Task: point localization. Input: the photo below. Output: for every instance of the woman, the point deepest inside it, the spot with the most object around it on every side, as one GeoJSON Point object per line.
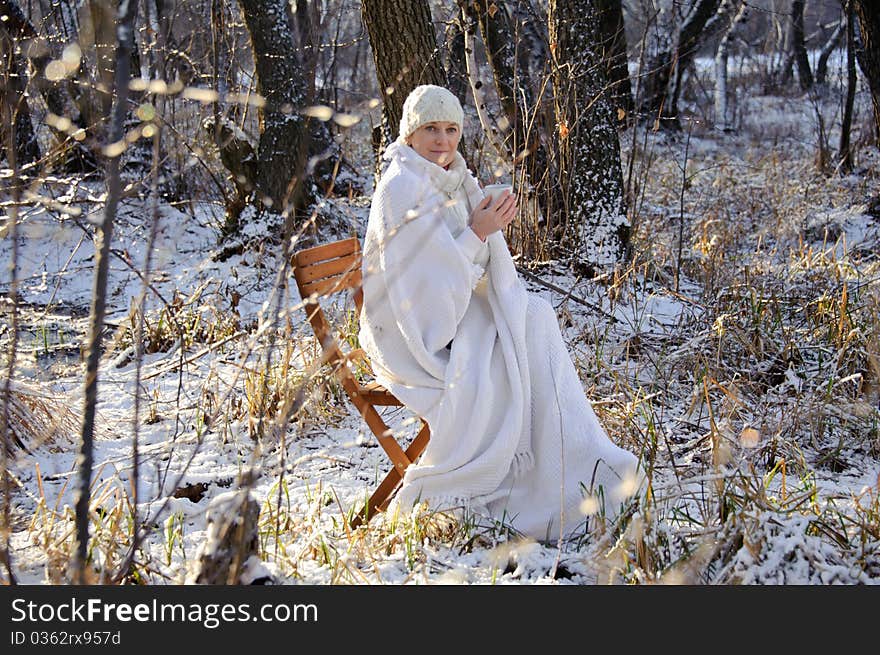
{"type": "Point", "coordinates": [453, 333]}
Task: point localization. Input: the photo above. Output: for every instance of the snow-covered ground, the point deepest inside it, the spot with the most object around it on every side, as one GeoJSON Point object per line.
{"type": "Point", "coordinates": [779, 486]}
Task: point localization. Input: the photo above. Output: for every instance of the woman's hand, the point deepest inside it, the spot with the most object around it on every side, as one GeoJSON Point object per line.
{"type": "Point", "coordinates": [488, 218]}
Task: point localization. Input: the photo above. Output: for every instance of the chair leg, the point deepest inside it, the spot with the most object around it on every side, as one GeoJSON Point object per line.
{"type": "Point", "coordinates": [381, 496]}
{"type": "Point", "coordinates": [386, 489]}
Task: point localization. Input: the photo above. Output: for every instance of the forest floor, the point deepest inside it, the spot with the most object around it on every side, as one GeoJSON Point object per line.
{"type": "Point", "coordinates": [738, 355]}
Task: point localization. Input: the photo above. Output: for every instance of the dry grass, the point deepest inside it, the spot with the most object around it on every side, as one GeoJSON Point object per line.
{"type": "Point", "coordinates": [765, 384]}
{"type": "Point", "coordinates": [38, 419]}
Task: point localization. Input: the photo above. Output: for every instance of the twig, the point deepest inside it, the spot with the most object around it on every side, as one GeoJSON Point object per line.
{"type": "Point", "coordinates": [567, 294]}
{"type": "Point", "coordinates": [198, 355]}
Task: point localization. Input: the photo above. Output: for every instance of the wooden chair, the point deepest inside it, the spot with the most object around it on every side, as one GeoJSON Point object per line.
{"type": "Point", "coordinates": [323, 271]}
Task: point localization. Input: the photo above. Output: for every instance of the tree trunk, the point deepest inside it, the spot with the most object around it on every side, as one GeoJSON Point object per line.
{"type": "Point", "coordinates": [869, 30]}
{"type": "Point", "coordinates": [844, 152]}
{"type": "Point", "coordinates": [498, 36]}
{"type": "Point", "coordinates": [284, 131]}
{"type": "Point", "coordinates": [456, 68]}
{"type": "Point", "coordinates": [523, 142]}
{"type": "Point", "coordinates": [654, 75]}
{"type": "Point", "coordinates": [532, 47]}
{"type": "Point", "coordinates": [103, 16]}
{"type": "Point", "coordinates": [62, 97]}
{"type": "Point", "coordinates": [13, 187]}
{"type": "Point", "coordinates": [722, 110]}
{"type": "Point", "coordinates": [798, 52]}
{"type": "Point", "coordinates": [495, 30]}
{"type": "Point", "coordinates": [85, 460]}
{"type": "Point", "coordinates": [666, 66]}
{"type": "Point", "coordinates": [405, 51]}
{"type": "Point", "coordinates": [20, 27]}
{"type": "Point", "coordinates": [14, 99]}
{"type": "Point", "coordinates": [614, 53]}
{"type": "Point", "coordinates": [323, 152]}
{"type": "Point", "coordinates": [596, 235]}
{"type": "Point", "coordinates": [827, 49]}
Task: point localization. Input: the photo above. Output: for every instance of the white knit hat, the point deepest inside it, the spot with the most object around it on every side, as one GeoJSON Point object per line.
{"type": "Point", "coordinates": [428, 103]}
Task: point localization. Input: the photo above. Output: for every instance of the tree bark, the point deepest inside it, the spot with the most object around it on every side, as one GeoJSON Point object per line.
{"type": "Point", "coordinates": [497, 32]}
{"type": "Point", "coordinates": [456, 67]}
{"type": "Point", "coordinates": [103, 16]}
{"type": "Point", "coordinates": [596, 234]}
{"type": "Point", "coordinates": [844, 152]}
{"type": "Point", "coordinates": [14, 99]}
{"type": "Point", "coordinates": [532, 47]}
{"type": "Point", "coordinates": [734, 16]}
{"type": "Point", "coordinates": [614, 53]}
{"type": "Point", "coordinates": [284, 131]}
{"type": "Point", "coordinates": [20, 28]}
{"type": "Point", "coordinates": [827, 49]}
{"type": "Point", "coordinates": [85, 459]}
{"type": "Point", "coordinates": [667, 64]}
{"type": "Point", "coordinates": [405, 51]}
{"type": "Point", "coordinates": [523, 142]}
{"type": "Point", "coordinates": [322, 150]}
{"type": "Point", "coordinates": [798, 49]}
{"type": "Point", "coordinates": [869, 29]}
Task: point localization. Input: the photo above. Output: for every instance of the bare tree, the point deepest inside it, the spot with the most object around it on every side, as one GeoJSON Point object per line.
{"type": "Point", "coordinates": [829, 47]}
{"type": "Point", "coordinates": [405, 51]}
{"type": "Point", "coordinates": [596, 234]}
{"type": "Point", "coordinates": [499, 36]}
{"type": "Point", "coordinates": [17, 25]}
{"type": "Point", "coordinates": [614, 53]}
{"type": "Point", "coordinates": [844, 152]}
{"type": "Point", "coordinates": [281, 83]}
{"type": "Point", "coordinates": [79, 97]}
{"type": "Point", "coordinates": [14, 98]}
{"type": "Point", "coordinates": [9, 146]}
{"type": "Point", "coordinates": [85, 460]}
{"type": "Point", "coordinates": [798, 48]}
{"type": "Point", "coordinates": [674, 45]}
{"type": "Point", "coordinates": [532, 46]}
{"type": "Point", "coordinates": [456, 68]}
{"type": "Point", "coordinates": [103, 20]}
{"type": "Point", "coordinates": [869, 60]}
{"type": "Point", "coordinates": [514, 38]}
{"type": "Point", "coordinates": [735, 12]}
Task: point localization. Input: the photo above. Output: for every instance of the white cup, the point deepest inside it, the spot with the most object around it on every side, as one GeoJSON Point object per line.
{"type": "Point", "coordinates": [495, 190]}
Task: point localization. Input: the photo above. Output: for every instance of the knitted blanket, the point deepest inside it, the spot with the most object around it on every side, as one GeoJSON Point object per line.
{"type": "Point", "coordinates": [452, 332]}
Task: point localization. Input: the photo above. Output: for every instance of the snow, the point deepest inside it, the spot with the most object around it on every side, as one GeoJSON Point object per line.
{"type": "Point", "coordinates": [648, 359]}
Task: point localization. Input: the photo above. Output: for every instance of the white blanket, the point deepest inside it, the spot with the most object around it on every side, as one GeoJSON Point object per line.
{"type": "Point", "coordinates": [451, 331]}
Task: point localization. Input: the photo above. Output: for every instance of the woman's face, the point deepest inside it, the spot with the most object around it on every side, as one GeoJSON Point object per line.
{"type": "Point", "coordinates": [436, 141]}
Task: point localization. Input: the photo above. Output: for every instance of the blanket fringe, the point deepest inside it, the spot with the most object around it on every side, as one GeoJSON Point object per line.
{"type": "Point", "coordinates": [444, 503]}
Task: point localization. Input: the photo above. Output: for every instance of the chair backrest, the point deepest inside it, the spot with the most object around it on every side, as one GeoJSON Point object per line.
{"type": "Point", "coordinates": [323, 271]}
{"type": "Point", "coordinates": [328, 269]}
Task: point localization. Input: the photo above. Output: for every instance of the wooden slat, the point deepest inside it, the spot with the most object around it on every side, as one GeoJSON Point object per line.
{"type": "Point", "coordinates": [376, 394]}
{"type": "Point", "coordinates": [327, 268]}
{"type": "Point", "coordinates": [331, 284]}
{"type": "Point", "coordinates": [341, 248]}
